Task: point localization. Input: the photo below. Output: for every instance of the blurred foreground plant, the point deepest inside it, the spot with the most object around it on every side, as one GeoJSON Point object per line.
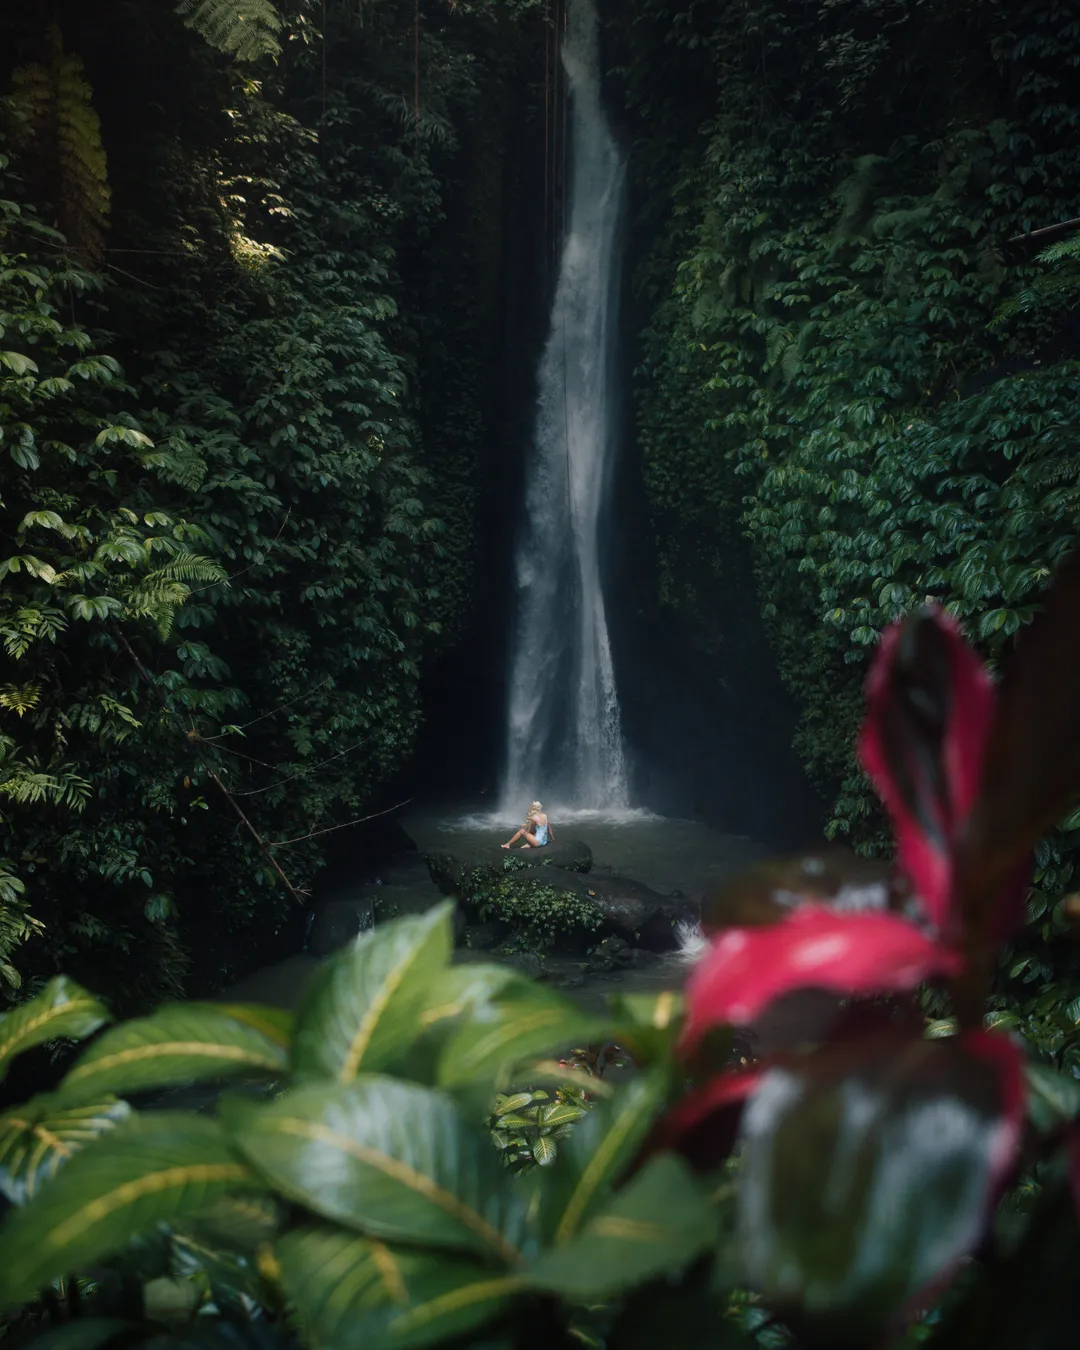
{"type": "Point", "coordinates": [345, 1189]}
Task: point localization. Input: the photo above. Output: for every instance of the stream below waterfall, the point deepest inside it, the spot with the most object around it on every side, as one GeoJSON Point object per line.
{"type": "Point", "coordinates": [667, 855]}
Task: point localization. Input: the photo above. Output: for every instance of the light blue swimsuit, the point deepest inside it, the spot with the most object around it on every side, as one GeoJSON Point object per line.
{"type": "Point", "coordinates": [541, 834]}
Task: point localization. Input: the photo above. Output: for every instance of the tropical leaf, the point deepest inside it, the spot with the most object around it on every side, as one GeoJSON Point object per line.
{"type": "Point", "coordinates": [599, 1150]}
{"type": "Point", "coordinates": [36, 1139]}
{"type": "Point", "coordinates": [149, 1170]}
{"type": "Point", "coordinates": [519, 1024]}
{"type": "Point", "coordinates": [181, 1043]}
{"type": "Point", "coordinates": [653, 1227]}
{"type": "Point", "coordinates": [461, 989]}
{"type": "Point", "coordinates": [62, 1009]}
{"type": "Point", "coordinates": [356, 1293]}
{"type": "Point", "coordinates": [748, 968]}
{"type": "Point", "coordinates": [868, 1172]}
{"type": "Point", "coordinates": [364, 1007]}
{"type": "Point", "coordinates": [392, 1159]}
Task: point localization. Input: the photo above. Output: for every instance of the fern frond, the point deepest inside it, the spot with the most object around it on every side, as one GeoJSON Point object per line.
{"type": "Point", "coordinates": [245, 29]}
{"type": "Point", "coordinates": [58, 135]}
{"type": "Point", "coordinates": [1062, 250]}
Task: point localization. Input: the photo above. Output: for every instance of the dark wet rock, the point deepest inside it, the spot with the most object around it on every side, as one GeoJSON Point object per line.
{"type": "Point", "coordinates": [614, 953]}
{"type": "Point", "coordinates": [481, 937]}
{"type": "Point", "coordinates": [339, 922]}
{"type": "Point", "coordinates": [561, 909]}
{"type": "Point", "coordinates": [452, 872]}
{"type": "Point", "coordinates": [527, 962]}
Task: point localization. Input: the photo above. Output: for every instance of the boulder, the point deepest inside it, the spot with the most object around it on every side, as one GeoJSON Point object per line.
{"type": "Point", "coordinates": [452, 872]}
{"type": "Point", "coordinates": [528, 963]}
{"type": "Point", "coordinates": [339, 922]}
{"type": "Point", "coordinates": [490, 885]}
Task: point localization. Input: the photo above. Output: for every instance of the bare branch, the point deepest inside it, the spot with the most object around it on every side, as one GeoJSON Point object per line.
{"type": "Point", "coordinates": [282, 843]}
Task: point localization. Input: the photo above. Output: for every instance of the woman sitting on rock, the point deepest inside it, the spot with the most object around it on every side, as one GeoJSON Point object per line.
{"type": "Point", "coordinates": [535, 831]}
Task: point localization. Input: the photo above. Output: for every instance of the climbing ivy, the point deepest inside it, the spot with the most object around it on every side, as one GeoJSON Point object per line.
{"type": "Point", "coordinates": [223, 384]}
{"type": "Point", "coordinates": [859, 379]}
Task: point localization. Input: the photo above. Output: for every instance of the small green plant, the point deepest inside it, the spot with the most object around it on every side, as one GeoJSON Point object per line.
{"type": "Point", "coordinates": [543, 915]}
{"type": "Point", "coordinates": [526, 1126]}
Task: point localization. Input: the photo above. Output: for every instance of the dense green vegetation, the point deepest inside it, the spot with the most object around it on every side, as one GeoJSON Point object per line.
{"type": "Point", "coordinates": [244, 306]}
{"type": "Point", "coordinates": [853, 363]}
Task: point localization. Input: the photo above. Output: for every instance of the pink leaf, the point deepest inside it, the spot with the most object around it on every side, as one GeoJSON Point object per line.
{"type": "Point", "coordinates": [930, 704]}
{"type": "Point", "coordinates": [747, 968]}
{"type": "Point", "coordinates": [702, 1128]}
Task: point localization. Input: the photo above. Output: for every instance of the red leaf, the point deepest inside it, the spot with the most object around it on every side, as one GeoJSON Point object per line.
{"type": "Point", "coordinates": [703, 1127]}
{"type": "Point", "coordinates": [930, 706]}
{"type": "Point", "coordinates": [1031, 771]}
{"type": "Point", "coordinates": [747, 968]}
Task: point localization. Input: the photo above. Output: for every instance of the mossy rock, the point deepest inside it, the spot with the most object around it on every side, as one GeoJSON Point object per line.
{"type": "Point", "coordinates": [450, 872]}
{"type": "Point", "coordinates": [559, 909]}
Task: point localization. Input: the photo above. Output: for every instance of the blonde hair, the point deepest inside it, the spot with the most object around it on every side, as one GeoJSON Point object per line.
{"type": "Point", "coordinates": [535, 806]}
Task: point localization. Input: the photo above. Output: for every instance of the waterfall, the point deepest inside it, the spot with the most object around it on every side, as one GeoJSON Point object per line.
{"type": "Point", "coordinates": [564, 736]}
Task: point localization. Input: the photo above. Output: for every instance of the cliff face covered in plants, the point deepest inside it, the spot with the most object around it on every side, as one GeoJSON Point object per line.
{"type": "Point", "coordinates": [858, 375]}
{"type": "Point", "coordinates": [249, 294]}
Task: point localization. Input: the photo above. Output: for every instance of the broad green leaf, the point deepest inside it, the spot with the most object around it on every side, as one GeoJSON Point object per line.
{"type": "Point", "coordinates": [598, 1150]}
{"type": "Point", "coordinates": [150, 1170]}
{"type": "Point", "coordinates": [520, 1024]}
{"type": "Point", "coordinates": [276, 1024]}
{"type": "Point", "coordinates": [460, 989]}
{"type": "Point", "coordinates": [62, 1008]}
{"type": "Point", "coordinates": [653, 1227]}
{"type": "Point", "coordinates": [364, 1006]}
{"type": "Point", "coordinates": [17, 362]}
{"type": "Point", "coordinates": [660, 1011]}
{"type": "Point", "coordinates": [36, 1139]}
{"type": "Point", "coordinates": [392, 1159]}
{"type": "Point", "coordinates": [1053, 1098]}
{"type": "Point", "coordinates": [238, 1222]}
{"type": "Point", "coordinates": [544, 1150]}
{"type": "Point", "coordinates": [181, 1043]}
{"type": "Point", "coordinates": [561, 1113]}
{"type": "Point", "coordinates": [356, 1293]}
{"type": "Point", "coordinates": [867, 1172]}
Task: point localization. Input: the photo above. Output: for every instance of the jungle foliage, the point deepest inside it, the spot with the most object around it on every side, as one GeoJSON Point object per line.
{"type": "Point", "coordinates": [224, 243]}
{"type": "Point", "coordinates": [858, 384]}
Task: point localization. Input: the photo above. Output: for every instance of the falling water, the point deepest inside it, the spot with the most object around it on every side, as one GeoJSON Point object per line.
{"type": "Point", "coordinates": [565, 739]}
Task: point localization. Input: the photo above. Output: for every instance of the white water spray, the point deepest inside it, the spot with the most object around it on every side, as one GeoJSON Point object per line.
{"type": "Point", "coordinates": [565, 739]}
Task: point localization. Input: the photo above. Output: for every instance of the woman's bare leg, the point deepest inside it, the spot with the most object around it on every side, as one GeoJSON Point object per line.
{"type": "Point", "coordinates": [515, 839]}
{"type": "Point", "coordinates": [531, 840]}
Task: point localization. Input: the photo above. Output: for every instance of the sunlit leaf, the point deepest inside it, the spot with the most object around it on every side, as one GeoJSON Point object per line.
{"type": "Point", "coordinates": [62, 1009]}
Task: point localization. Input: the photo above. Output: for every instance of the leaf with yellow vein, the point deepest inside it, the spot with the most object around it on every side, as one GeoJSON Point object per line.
{"type": "Point", "coordinates": [653, 1227]}
{"type": "Point", "coordinates": [364, 1006]}
{"type": "Point", "coordinates": [391, 1159]}
{"type": "Point", "coordinates": [523, 1022]}
{"type": "Point", "coordinates": [39, 1137]}
{"type": "Point", "coordinates": [351, 1292]}
{"type": "Point", "coordinates": [180, 1043]}
{"type": "Point", "coordinates": [149, 1170]}
{"type": "Point", "coordinates": [62, 1008]}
